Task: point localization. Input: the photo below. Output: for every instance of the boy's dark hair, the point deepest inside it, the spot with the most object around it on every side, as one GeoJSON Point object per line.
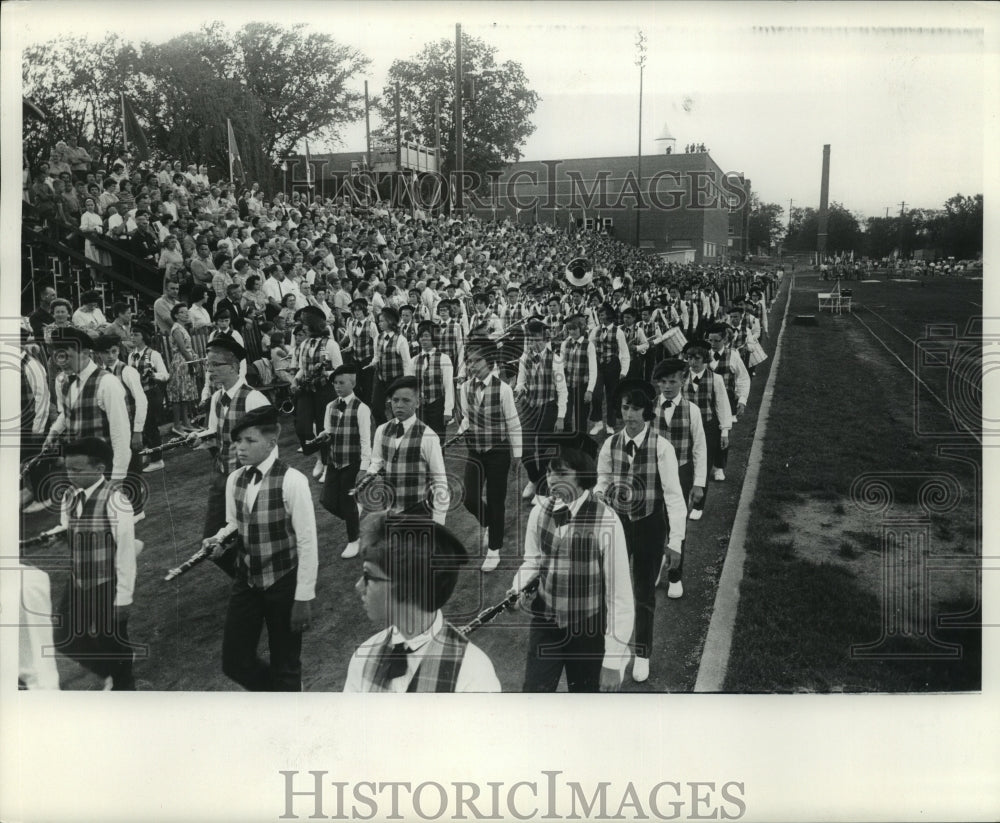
{"type": "Point", "coordinates": [99, 451]}
{"type": "Point", "coordinates": [536, 328]}
{"type": "Point", "coordinates": [576, 461]}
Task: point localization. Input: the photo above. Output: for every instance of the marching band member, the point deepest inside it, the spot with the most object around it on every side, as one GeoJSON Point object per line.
{"type": "Point", "coordinates": [612, 365]}
{"type": "Point", "coordinates": [153, 376]}
{"type": "Point", "coordinates": [635, 339]}
{"type": "Point", "coordinates": [707, 390]}
{"type": "Point", "coordinates": [555, 320]}
{"type": "Point", "coordinates": [230, 402]}
{"type": "Point", "coordinates": [223, 319]}
{"type": "Point", "coordinates": [409, 453]}
{"type": "Point", "coordinates": [637, 477]}
{"type": "Point", "coordinates": [317, 357]}
{"type": "Point", "coordinates": [729, 364]}
{"type": "Point", "coordinates": [363, 333]}
{"type": "Point", "coordinates": [493, 428]}
{"type": "Point", "coordinates": [35, 405]}
{"type": "Point", "coordinates": [410, 570]}
{"type": "Point", "coordinates": [435, 375]}
{"type": "Point", "coordinates": [579, 357]}
{"type": "Point", "coordinates": [348, 430]}
{"type": "Point", "coordinates": [452, 337]}
{"type": "Point", "coordinates": [92, 618]}
{"type": "Point", "coordinates": [484, 322]}
{"type": "Point", "coordinates": [91, 402]}
{"type": "Point", "coordinates": [541, 384]}
{"type": "Point", "coordinates": [270, 505]}
{"type": "Point", "coordinates": [391, 359]}
{"type": "Point", "coordinates": [583, 612]}
{"type": "Point", "coordinates": [408, 327]}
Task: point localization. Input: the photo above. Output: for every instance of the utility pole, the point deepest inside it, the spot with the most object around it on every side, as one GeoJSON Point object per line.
{"type": "Point", "coordinates": [368, 131]}
{"type": "Point", "coordinates": [789, 230]}
{"type": "Point", "coordinates": [902, 208]}
{"type": "Point", "coordinates": [640, 61]}
{"type": "Point", "coordinates": [459, 149]}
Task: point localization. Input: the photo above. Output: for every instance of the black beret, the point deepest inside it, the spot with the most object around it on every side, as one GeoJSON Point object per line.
{"type": "Point", "coordinates": [408, 381]}
{"type": "Point", "coordinates": [667, 367]}
{"type": "Point", "coordinates": [700, 346]}
{"type": "Point", "coordinates": [391, 313]}
{"type": "Point", "coordinates": [625, 386]}
{"type": "Point", "coordinates": [224, 343]}
{"type": "Point", "coordinates": [346, 368]}
{"type": "Point", "coordinates": [311, 311]}
{"type": "Point", "coordinates": [105, 342]}
{"type": "Point", "coordinates": [360, 303]}
{"type": "Point", "coordinates": [261, 416]}
{"type": "Point", "coordinates": [70, 338]}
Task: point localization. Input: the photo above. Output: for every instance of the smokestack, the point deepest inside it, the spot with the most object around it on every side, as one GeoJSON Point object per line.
{"type": "Point", "coordinates": [824, 202]}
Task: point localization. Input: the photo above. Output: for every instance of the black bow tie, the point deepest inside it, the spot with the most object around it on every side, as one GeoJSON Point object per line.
{"type": "Point", "coordinates": [73, 378]}
{"type": "Point", "coordinates": [561, 516]}
{"type": "Point", "coordinates": [253, 475]}
{"type": "Point", "coordinates": [225, 400]}
{"type": "Point", "coordinates": [716, 355]}
{"type": "Point", "coordinates": [341, 405]}
{"type": "Point", "coordinates": [394, 661]}
{"type": "Point", "coordinates": [630, 448]}
{"type": "Point", "coordinates": [667, 404]}
{"type": "Point", "coordinates": [398, 431]}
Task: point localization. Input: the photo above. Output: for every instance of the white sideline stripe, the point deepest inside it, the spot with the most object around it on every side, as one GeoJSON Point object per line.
{"type": "Point", "coordinates": [719, 640]}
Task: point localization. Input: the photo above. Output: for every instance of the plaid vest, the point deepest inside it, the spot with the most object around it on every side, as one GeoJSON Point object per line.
{"type": "Point", "coordinates": [117, 370]}
{"type": "Point", "coordinates": [631, 335]}
{"type": "Point", "coordinates": [702, 395]}
{"type": "Point", "coordinates": [92, 541]}
{"type": "Point", "coordinates": [430, 376]}
{"type": "Point", "coordinates": [405, 469]}
{"type": "Point", "coordinates": [86, 419]}
{"type": "Point", "coordinates": [487, 424]}
{"type": "Point", "coordinates": [634, 489]}
{"type": "Point", "coordinates": [724, 367]}
{"type": "Point", "coordinates": [438, 669]}
{"type": "Point", "coordinates": [390, 362]}
{"type": "Point", "coordinates": [312, 355]}
{"type": "Point", "coordinates": [577, 364]}
{"type": "Point", "coordinates": [539, 378]}
{"type": "Point", "coordinates": [557, 329]}
{"type": "Point", "coordinates": [678, 430]}
{"type": "Point", "coordinates": [268, 539]}
{"type": "Point", "coordinates": [409, 332]}
{"type": "Point", "coordinates": [345, 445]}
{"type": "Point", "coordinates": [451, 338]}
{"type": "Point", "coordinates": [27, 398]}
{"type": "Point", "coordinates": [571, 580]}
{"type": "Point", "coordinates": [225, 461]}
{"type": "Point", "coordinates": [362, 340]}
{"type": "Point", "coordinates": [607, 344]}
{"type": "Point", "coordinates": [143, 363]}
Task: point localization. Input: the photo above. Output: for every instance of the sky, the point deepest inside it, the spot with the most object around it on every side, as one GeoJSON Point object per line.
{"type": "Point", "coordinates": [899, 91]}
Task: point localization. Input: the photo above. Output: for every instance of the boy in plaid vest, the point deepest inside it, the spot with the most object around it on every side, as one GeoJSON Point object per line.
{"type": "Point", "coordinates": [725, 361]}
{"type": "Point", "coordinates": [408, 327]}
{"type": "Point", "coordinates": [579, 357]}
{"type": "Point", "coordinates": [317, 356]}
{"type": "Point", "coordinates": [583, 612]}
{"type": "Point", "coordinates": [555, 320]}
{"type": "Point", "coordinates": [92, 624]}
{"type": "Point", "coordinates": [270, 505]}
{"type": "Point", "coordinates": [613, 363]}
{"type": "Point", "coordinates": [707, 390]}
{"type": "Point", "coordinates": [638, 344]}
{"type": "Point", "coordinates": [391, 360]}
{"type": "Point", "coordinates": [362, 332]}
{"type": "Point", "coordinates": [679, 420]}
{"type": "Point", "coordinates": [348, 431]}
{"type": "Point", "coordinates": [410, 569]}
{"type": "Point", "coordinates": [435, 375]}
{"type": "Point", "coordinates": [91, 402]}
{"type": "Point", "coordinates": [637, 476]}
{"type": "Point", "coordinates": [541, 389]}
{"type": "Point", "coordinates": [493, 428]}
{"type": "Point", "coordinates": [409, 453]}
{"type": "Point", "coordinates": [153, 376]}
{"type": "Point", "coordinates": [230, 402]}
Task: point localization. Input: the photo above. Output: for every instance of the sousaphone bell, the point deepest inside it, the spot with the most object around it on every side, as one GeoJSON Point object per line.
{"type": "Point", "coordinates": [579, 273]}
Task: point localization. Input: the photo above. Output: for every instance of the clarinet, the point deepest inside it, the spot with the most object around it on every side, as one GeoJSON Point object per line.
{"type": "Point", "coordinates": [488, 614]}
{"type": "Point", "coordinates": [42, 539]}
{"type": "Point", "coordinates": [49, 452]}
{"type": "Point", "coordinates": [201, 556]}
{"type": "Point", "coordinates": [365, 481]}
{"type": "Point", "coordinates": [451, 441]}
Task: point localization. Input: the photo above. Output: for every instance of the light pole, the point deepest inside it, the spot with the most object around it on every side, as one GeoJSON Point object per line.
{"type": "Point", "coordinates": [284, 178]}
{"type": "Point", "coordinates": [640, 61]}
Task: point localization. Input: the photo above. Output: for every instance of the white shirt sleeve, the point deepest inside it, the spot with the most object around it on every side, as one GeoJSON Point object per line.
{"type": "Point", "coordinates": [403, 349]}
{"type": "Point", "coordinates": [562, 395]}
{"type": "Point", "coordinates": [299, 504]}
{"type": "Point", "coordinates": [365, 427]}
{"type": "Point", "coordinates": [111, 400]}
{"type": "Point", "coordinates": [522, 369]}
{"type": "Point", "coordinates": [618, 599]}
{"type": "Point", "coordinates": [591, 366]}
{"type": "Point", "coordinates": [376, 465]}
{"type": "Point", "coordinates": [512, 419]}
{"type": "Point", "coordinates": [673, 497]}
{"type": "Point", "coordinates": [130, 377]}
{"type": "Point", "coordinates": [699, 446]}
{"type": "Point", "coordinates": [160, 372]}
{"type": "Point", "coordinates": [623, 356]}
{"type": "Point", "coordinates": [230, 525]}
{"type": "Point", "coordinates": [722, 410]}
{"type": "Point", "coordinates": [448, 375]}
{"type": "Point", "coordinates": [123, 523]}
{"type": "Point", "coordinates": [333, 355]}
{"type": "Point", "coordinates": [532, 562]}
{"type": "Point", "coordinates": [742, 379]}
{"type": "Point", "coordinates": [36, 667]}
{"type": "Point", "coordinates": [430, 450]}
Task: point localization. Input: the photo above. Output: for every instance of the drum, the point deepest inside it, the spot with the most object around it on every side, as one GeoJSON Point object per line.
{"type": "Point", "coordinates": [756, 353]}
{"type": "Point", "coordinates": [674, 341]}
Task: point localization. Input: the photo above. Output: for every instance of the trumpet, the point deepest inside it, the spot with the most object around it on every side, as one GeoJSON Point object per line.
{"type": "Point", "coordinates": [488, 614]}
{"type": "Point", "coordinates": [42, 539]}
{"type": "Point", "coordinates": [201, 556]}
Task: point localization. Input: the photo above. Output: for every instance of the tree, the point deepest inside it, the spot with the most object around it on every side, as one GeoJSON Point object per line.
{"type": "Point", "coordinates": [843, 231]}
{"type": "Point", "coordinates": [958, 231]}
{"type": "Point", "coordinates": [766, 226]}
{"type": "Point", "coordinates": [498, 104]}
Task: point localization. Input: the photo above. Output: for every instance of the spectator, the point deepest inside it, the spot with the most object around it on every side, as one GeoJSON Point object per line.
{"type": "Point", "coordinates": [254, 301]}
{"type": "Point", "coordinates": [121, 326]}
{"type": "Point", "coordinates": [182, 390]}
{"type": "Point", "coordinates": [42, 316]}
{"type": "Point", "coordinates": [89, 316]}
{"type": "Point", "coordinates": [78, 157]}
{"type": "Point", "coordinates": [199, 316]}
{"type": "Point", "coordinates": [164, 305]}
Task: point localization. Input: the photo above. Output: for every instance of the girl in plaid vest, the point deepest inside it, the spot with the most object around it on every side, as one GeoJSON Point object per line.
{"type": "Point", "coordinates": [493, 436]}
{"type": "Point", "coordinates": [317, 357]}
{"type": "Point", "coordinates": [408, 452]}
{"type": "Point", "coordinates": [153, 376]}
{"type": "Point", "coordinates": [707, 391]}
{"type": "Point", "coordinates": [579, 356]}
{"type": "Point", "coordinates": [410, 570]}
{"type": "Point", "coordinates": [638, 344]}
{"type": "Point", "coordinates": [230, 402]}
{"type": "Point", "coordinates": [637, 476]}
{"type": "Point", "coordinates": [451, 335]}
{"type": "Point", "coordinates": [583, 612]}
{"type": "Point", "coordinates": [270, 505]}
{"type": "Point", "coordinates": [408, 327]}
{"type": "Point", "coordinates": [93, 616]}
{"type": "Point", "coordinates": [348, 431]}
{"type": "Point", "coordinates": [613, 362]}
{"type": "Point", "coordinates": [363, 333]}
{"type": "Point", "coordinates": [435, 375]}
{"type": "Point", "coordinates": [725, 361]}
{"type": "Point", "coordinates": [541, 389]}
{"type": "Point", "coordinates": [391, 360]}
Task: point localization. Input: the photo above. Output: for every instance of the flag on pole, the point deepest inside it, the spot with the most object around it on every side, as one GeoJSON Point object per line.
{"type": "Point", "coordinates": [235, 163]}
{"type": "Point", "coordinates": [132, 133]}
{"type": "Point", "coordinates": [309, 175]}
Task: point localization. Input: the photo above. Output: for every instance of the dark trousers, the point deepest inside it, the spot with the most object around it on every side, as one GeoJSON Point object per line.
{"type": "Point", "coordinates": [636, 367]}
{"type": "Point", "coordinates": [336, 500]}
{"type": "Point", "coordinates": [310, 410]}
{"type": "Point", "coordinates": [577, 410]}
{"type": "Point", "coordinates": [87, 631]}
{"type": "Point", "coordinates": [717, 456]}
{"type": "Point", "coordinates": [135, 488]}
{"type": "Point", "coordinates": [551, 649]}
{"type": "Point", "coordinates": [686, 475]}
{"type": "Point", "coordinates": [363, 388]}
{"type": "Point", "coordinates": [433, 415]}
{"type": "Point", "coordinates": [249, 610]}
{"type": "Point", "coordinates": [215, 519]}
{"type": "Point", "coordinates": [538, 426]}
{"type": "Point", "coordinates": [154, 408]}
{"type": "Point", "coordinates": [608, 375]}
{"type": "Point", "coordinates": [644, 539]}
{"type": "Point", "coordinates": [488, 469]}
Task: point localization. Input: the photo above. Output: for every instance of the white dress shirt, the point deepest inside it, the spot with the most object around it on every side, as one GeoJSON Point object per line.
{"type": "Point", "coordinates": [254, 401]}
{"type": "Point", "coordinates": [34, 373]}
{"type": "Point", "coordinates": [666, 468]}
{"type": "Point", "coordinates": [133, 384]}
{"type": "Point", "coordinates": [364, 425]}
{"type": "Point", "coordinates": [591, 360]}
{"type": "Point", "coordinates": [699, 446]}
{"type": "Point", "coordinates": [618, 598]}
{"type": "Point", "coordinates": [510, 414]}
{"type": "Point", "coordinates": [624, 358]}
{"type": "Point", "coordinates": [110, 400]}
{"type": "Point", "coordinates": [430, 453]}
{"type": "Point", "coordinates": [558, 377]}
{"type": "Point", "coordinates": [122, 522]}
{"type": "Point", "coordinates": [36, 667]}
{"type": "Point", "coordinates": [402, 348]}
{"type": "Point", "coordinates": [722, 411]}
{"type": "Point", "coordinates": [476, 674]}
{"type": "Point", "coordinates": [742, 376]}
{"type": "Point", "coordinates": [160, 373]}
{"type": "Point", "coordinates": [299, 504]}
{"type": "Point", "coordinates": [447, 375]}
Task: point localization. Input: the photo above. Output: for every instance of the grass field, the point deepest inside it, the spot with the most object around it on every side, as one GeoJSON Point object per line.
{"type": "Point", "coordinates": [834, 597]}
